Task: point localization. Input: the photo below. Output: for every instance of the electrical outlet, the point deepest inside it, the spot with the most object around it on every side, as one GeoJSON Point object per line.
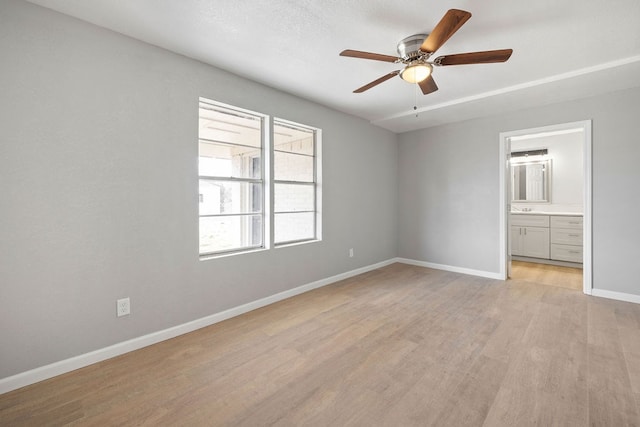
{"type": "Point", "coordinates": [123, 307]}
{"type": "Point", "coordinates": [351, 253]}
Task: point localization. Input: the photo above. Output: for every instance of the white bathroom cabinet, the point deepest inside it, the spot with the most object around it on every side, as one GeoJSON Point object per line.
{"type": "Point", "coordinates": [530, 236]}
{"type": "Point", "coordinates": [549, 237]}
{"type": "Point", "coordinates": [566, 238]}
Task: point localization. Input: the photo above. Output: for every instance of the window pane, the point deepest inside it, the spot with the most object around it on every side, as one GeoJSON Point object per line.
{"type": "Point", "coordinates": [292, 139]}
{"type": "Point", "coordinates": [230, 154]}
{"type": "Point", "coordinates": [229, 197]}
{"type": "Point", "coordinates": [224, 160]}
{"type": "Point", "coordinates": [225, 125]}
{"type": "Point", "coordinates": [294, 226]}
{"type": "Point", "coordinates": [292, 167]}
{"type": "Point", "coordinates": [294, 197]}
{"type": "Point", "coordinates": [294, 201]}
{"type": "Point", "coordinates": [228, 233]}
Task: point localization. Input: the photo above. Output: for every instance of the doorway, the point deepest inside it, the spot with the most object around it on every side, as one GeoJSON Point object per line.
{"type": "Point", "coordinates": [546, 274]}
{"type": "Point", "coordinates": [506, 194]}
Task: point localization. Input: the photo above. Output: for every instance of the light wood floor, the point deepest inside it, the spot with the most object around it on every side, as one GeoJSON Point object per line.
{"type": "Point", "coordinates": [398, 346]}
{"type": "Point", "coordinates": [565, 277]}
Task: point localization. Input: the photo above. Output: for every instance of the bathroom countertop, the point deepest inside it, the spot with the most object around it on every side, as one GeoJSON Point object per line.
{"type": "Point", "coordinates": [547, 213]}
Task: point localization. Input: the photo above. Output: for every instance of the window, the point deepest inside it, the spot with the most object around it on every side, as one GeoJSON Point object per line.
{"type": "Point", "coordinates": [231, 183]}
{"type": "Point", "coordinates": [295, 175]}
{"type": "Point", "coordinates": [255, 190]}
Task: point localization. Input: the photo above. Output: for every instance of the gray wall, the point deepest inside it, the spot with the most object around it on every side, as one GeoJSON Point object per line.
{"type": "Point", "coordinates": [448, 204]}
{"type": "Point", "coordinates": [98, 185]}
{"type": "Point", "coordinates": [449, 188]}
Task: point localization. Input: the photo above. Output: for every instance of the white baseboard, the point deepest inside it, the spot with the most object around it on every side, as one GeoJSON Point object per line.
{"type": "Point", "coordinates": [620, 296]}
{"type": "Point", "coordinates": [54, 369]}
{"type": "Point", "coordinates": [462, 270]}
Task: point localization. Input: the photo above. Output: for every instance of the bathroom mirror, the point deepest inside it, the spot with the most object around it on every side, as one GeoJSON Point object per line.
{"type": "Point", "coordinates": [530, 181]}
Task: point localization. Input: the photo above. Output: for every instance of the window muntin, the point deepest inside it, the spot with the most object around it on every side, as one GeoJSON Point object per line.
{"type": "Point", "coordinates": [230, 169]}
{"type": "Point", "coordinates": [295, 182]}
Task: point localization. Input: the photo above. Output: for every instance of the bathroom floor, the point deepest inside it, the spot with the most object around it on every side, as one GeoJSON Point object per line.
{"type": "Point", "coordinates": [564, 277]}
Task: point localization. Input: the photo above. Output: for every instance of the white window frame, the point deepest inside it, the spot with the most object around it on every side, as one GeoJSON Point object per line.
{"type": "Point", "coordinates": [267, 182]}
{"type": "Point", "coordinates": [262, 180]}
{"type": "Point", "coordinates": [316, 183]}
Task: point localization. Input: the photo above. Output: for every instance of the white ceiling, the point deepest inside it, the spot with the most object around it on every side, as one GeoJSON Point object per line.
{"type": "Point", "coordinates": [563, 49]}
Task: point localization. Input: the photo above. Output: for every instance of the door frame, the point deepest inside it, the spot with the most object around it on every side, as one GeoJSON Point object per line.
{"type": "Point", "coordinates": [505, 190]}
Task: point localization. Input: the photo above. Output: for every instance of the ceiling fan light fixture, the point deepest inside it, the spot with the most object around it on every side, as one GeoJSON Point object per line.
{"type": "Point", "coordinates": [416, 72]}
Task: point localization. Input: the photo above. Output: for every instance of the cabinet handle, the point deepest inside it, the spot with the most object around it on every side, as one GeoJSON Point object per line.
{"type": "Point", "coordinates": [574, 252]}
{"type": "Point", "coordinates": [573, 222]}
{"type": "Point", "coordinates": [573, 235]}
{"type": "Point", "coordinates": [525, 231]}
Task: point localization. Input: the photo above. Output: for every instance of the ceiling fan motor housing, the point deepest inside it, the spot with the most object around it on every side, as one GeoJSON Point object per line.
{"type": "Point", "coordinates": [409, 47]}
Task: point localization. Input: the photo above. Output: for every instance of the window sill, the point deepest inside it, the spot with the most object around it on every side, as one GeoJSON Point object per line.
{"type": "Point", "coordinates": [304, 242]}
{"type": "Point", "coordinates": [229, 254]}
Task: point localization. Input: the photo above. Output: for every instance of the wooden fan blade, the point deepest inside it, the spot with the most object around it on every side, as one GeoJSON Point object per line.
{"type": "Point", "coordinates": [448, 25]}
{"type": "Point", "coordinates": [368, 55]}
{"type": "Point", "coordinates": [376, 82]}
{"type": "Point", "coordinates": [485, 57]}
{"type": "Point", "coordinates": [428, 85]}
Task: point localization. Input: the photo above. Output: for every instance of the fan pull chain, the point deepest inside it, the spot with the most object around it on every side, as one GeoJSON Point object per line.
{"type": "Point", "coordinates": [415, 102]}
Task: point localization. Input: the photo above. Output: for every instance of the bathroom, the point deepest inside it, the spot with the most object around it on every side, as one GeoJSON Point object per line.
{"type": "Point", "coordinates": [547, 207]}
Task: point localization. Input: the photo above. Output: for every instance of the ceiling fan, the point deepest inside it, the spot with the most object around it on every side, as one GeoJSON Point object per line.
{"type": "Point", "coordinates": [414, 52]}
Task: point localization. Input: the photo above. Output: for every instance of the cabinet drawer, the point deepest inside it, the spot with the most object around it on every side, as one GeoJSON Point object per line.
{"type": "Point", "coordinates": [566, 253]}
{"type": "Point", "coordinates": [566, 221]}
{"type": "Point", "coordinates": [530, 220]}
{"type": "Point", "coordinates": [566, 236]}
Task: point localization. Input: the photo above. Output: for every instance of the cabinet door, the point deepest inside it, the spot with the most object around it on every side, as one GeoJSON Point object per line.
{"type": "Point", "coordinates": [517, 233]}
{"type": "Point", "coordinates": [536, 242]}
